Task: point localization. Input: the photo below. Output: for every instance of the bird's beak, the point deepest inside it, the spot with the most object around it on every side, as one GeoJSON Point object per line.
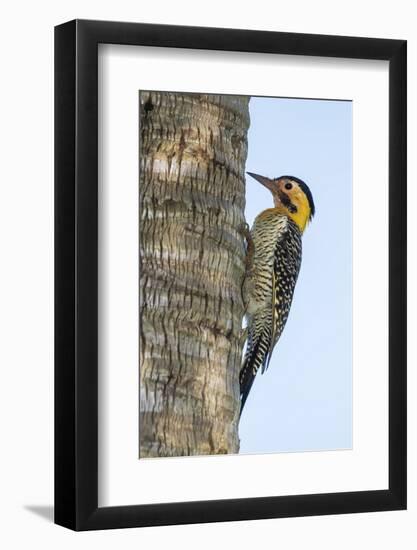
{"type": "Point", "coordinates": [266, 182]}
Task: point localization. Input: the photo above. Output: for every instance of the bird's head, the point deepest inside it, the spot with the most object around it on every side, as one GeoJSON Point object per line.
{"type": "Point", "coordinates": [291, 196]}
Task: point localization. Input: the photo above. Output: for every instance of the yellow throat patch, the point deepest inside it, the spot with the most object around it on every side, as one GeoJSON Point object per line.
{"type": "Point", "coordinates": [302, 216]}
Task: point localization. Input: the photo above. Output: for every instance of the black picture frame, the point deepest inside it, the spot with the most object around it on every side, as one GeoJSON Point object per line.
{"type": "Point", "coordinates": [76, 271]}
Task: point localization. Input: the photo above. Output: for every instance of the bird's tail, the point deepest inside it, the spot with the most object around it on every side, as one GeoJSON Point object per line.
{"type": "Point", "coordinates": [257, 352]}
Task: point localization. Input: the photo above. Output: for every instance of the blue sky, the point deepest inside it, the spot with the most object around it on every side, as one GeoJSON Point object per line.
{"type": "Point", "coordinates": [303, 402]}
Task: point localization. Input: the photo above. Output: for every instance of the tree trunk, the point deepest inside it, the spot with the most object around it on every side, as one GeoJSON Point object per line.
{"type": "Point", "coordinates": [192, 263]}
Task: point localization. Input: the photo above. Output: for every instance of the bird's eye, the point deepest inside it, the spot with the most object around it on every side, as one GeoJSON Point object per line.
{"type": "Point", "coordinates": [288, 186]}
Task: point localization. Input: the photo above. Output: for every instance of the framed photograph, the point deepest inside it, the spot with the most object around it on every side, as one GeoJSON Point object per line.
{"type": "Point", "coordinates": [230, 247]}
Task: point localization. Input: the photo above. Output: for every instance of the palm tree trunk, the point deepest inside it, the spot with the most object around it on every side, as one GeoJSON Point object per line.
{"type": "Point", "coordinates": [193, 150]}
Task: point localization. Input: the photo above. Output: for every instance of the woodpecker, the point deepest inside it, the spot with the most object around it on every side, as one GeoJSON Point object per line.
{"type": "Point", "coordinates": [274, 260]}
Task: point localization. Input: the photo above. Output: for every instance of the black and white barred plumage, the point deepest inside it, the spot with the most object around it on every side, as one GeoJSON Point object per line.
{"type": "Point", "coordinates": [269, 290]}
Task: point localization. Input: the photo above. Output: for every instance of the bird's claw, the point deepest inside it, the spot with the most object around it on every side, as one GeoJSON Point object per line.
{"type": "Point", "coordinates": [243, 336]}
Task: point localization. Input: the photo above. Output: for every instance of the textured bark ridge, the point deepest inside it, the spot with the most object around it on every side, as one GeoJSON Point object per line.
{"type": "Point", "coordinates": [193, 150]}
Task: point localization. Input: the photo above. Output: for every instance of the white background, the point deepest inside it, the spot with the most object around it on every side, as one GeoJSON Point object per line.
{"type": "Point", "coordinates": [27, 273]}
{"type": "Point", "coordinates": [123, 479]}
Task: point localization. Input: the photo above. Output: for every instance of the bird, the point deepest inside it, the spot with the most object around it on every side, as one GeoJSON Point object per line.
{"type": "Point", "coordinates": [274, 252]}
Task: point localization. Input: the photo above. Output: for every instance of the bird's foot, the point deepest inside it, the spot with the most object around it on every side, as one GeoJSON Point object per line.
{"type": "Point", "coordinates": [243, 336]}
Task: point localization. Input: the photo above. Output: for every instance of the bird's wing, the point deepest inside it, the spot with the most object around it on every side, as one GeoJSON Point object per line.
{"type": "Point", "coordinates": [274, 324]}
{"type": "Point", "coordinates": [287, 263]}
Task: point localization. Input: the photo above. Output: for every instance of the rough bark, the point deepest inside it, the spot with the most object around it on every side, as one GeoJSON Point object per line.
{"type": "Point", "coordinates": [193, 150]}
